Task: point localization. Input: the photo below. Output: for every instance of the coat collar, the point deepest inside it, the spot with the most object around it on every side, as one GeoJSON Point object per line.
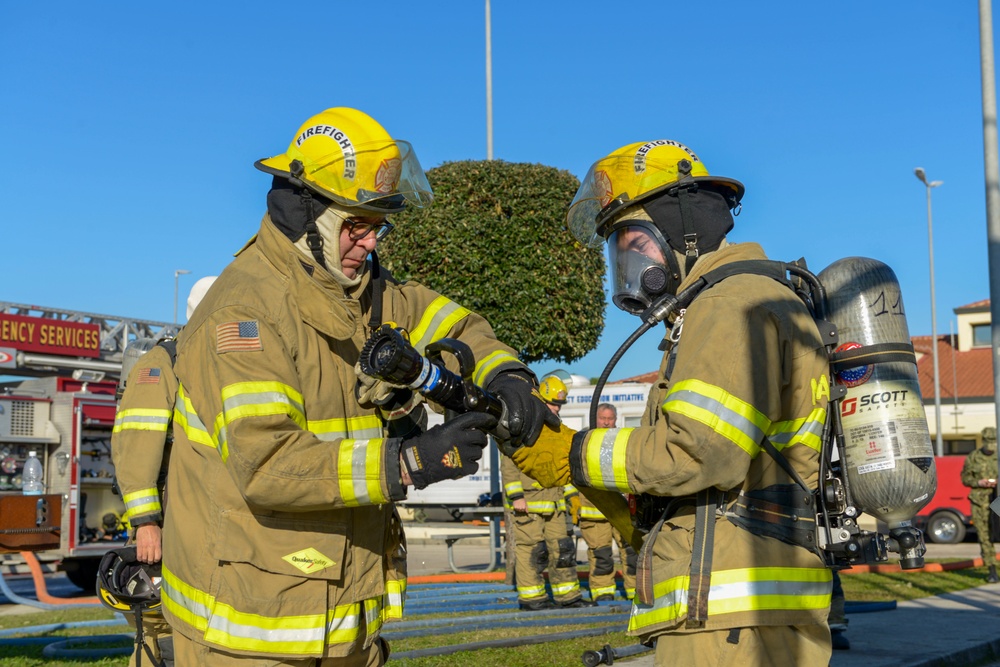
{"type": "Point", "coordinates": [321, 300]}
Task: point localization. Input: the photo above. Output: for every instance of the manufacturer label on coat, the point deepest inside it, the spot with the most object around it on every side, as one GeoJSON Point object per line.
{"type": "Point", "coordinates": [309, 560]}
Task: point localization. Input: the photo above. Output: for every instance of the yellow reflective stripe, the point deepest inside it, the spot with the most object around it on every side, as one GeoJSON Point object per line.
{"type": "Point", "coordinates": [373, 615]}
{"type": "Point", "coordinates": [222, 437]}
{"type": "Point", "coordinates": [145, 501]}
{"type": "Point", "coordinates": [590, 513]}
{"type": "Point", "coordinates": [739, 590]}
{"type": "Point", "coordinates": [563, 589]}
{"type": "Point", "coordinates": [439, 318]}
{"type": "Point", "coordinates": [602, 590]}
{"type": "Point", "coordinates": [529, 592]}
{"type": "Point", "coordinates": [807, 431]}
{"type": "Point", "coordinates": [490, 362]}
{"type": "Point", "coordinates": [514, 488]}
{"type": "Point", "coordinates": [359, 471]}
{"type": "Point", "coordinates": [366, 426]}
{"type": "Point", "coordinates": [188, 421]}
{"type": "Point", "coordinates": [541, 506]}
{"type": "Point", "coordinates": [262, 399]}
{"type": "Point", "coordinates": [604, 451]}
{"type": "Point", "coordinates": [394, 598]}
{"type": "Point", "coordinates": [569, 490]}
{"type": "Point", "coordinates": [732, 418]}
{"type": "Point", "coordinates": [141, 419]}
{"type": "Point", "coordinates": [225, 626]}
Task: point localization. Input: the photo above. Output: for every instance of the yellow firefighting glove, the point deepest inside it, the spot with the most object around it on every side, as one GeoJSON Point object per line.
{"type": "Point", "coordinates": [573, 505]}
{"type": "Point", "coordinates": [547, 461]}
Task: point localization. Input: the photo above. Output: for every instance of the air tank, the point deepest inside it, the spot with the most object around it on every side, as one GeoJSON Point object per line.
{"type": "Point", "coordinates": [133, 351]}
{"type": "Point", "coordinates": [888, 454]}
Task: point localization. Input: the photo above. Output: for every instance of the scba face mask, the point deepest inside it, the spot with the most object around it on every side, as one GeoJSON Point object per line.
{"type": "Point", "coordinates": [643, 267]}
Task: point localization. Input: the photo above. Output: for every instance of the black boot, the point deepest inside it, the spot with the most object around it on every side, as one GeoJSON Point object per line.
{"type": "Point", "coordinates": [992, 576]}
{"type": "Point", "coordinates": [537, 605]}
{"type": "Point", "coordinates": [578, 603]}
{"type": "Point", "coordinates": [839, 640]}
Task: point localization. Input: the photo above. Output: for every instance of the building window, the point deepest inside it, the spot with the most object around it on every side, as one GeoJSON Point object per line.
{"type": "Point", "coordinates": [982, 335]}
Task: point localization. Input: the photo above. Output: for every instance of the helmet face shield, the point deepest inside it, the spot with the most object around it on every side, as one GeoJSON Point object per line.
{"type": "Point", "coordinates": [641, 266]}
{"type": "Point", "coordinates": [375, 176]}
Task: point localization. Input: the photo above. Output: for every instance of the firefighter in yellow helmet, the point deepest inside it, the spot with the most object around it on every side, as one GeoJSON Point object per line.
{"type": "Point", "coordinates": [541, 532]}
{"type": "Point", "coordinates": [716, 583]}
{"type": "Point", "coordinates": [283, 545]}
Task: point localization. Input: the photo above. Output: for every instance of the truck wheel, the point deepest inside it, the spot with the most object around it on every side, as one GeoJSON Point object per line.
{"type": "Point", "coordinates": [946, 528]}
{"type": "Point", "coordinates": [82, 572]}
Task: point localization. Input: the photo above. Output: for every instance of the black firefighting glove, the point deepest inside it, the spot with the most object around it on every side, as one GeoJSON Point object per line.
{"type": "Point", "coordinates": [447, 451]}
{"type": "Point", "coordinates": [526, 411]}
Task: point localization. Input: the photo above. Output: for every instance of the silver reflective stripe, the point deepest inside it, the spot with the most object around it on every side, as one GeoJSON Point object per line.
{"type": "Point", "coordinates": [359, 472]}
{"type": "Point", "coordinates": [810, 427]}
{"type": "Point", "coordinates": [261, 398]}
{"type": "Point", "coordinates": [150, 497]}
{"type": "Point", "coordinates": [747, 589]}
{"type": "Point", "coordinates": [193, 608]}
{"type": "Point", "coordinates": [434, 324]}
{"type": "Point", "coordinates": [291, 635]}
{"type": "Point", "coordinates": [606, 455]}
{"type": "Point", "coordinates": [363, 433]}
{"type": "Point", "coordinates": [133, 421]}
{"type": "Point", "coordinates": [726, 415]}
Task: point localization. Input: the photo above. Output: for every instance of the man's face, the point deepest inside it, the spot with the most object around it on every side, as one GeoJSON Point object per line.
{"type": "Point", "coordinates": [357, 241]}
{"type": "Point", "coordinates": [605, 418]}
{"type": "Point", "coordinates": [554, 408]}
{"type": "Point", "coordinates": [638, 239]}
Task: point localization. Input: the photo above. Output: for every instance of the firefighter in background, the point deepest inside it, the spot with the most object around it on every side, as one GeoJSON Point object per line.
{"type": "Point", "coordinates": [140, 452]}
{"type": "Point", "coordinates": [718, 582]}
{"type": "Point", "coordinates": [979, 472]}
{"type": "Point", "coordinates": [541, 537]}
{"type": "Point", "coordinates": [283, 545]}
{"type": "Point", "coordinates": [599, 534]}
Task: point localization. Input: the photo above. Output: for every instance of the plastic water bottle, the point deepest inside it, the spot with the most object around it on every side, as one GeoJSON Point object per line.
{"type": "Point", "coordinates": [31, 476]}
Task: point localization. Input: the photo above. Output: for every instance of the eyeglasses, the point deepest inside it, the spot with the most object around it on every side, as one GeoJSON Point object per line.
{"type": "Point", "coordinates": [359, 229]}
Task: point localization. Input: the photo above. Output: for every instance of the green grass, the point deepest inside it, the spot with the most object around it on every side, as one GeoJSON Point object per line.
{"type": "Point", "coordinates": [857, 587]}
{"type": "Point", "coordinates": [901, 586]}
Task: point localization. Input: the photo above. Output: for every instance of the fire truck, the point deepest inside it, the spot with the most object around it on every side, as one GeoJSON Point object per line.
{"type": "Point", "coordinates": [58, 374]}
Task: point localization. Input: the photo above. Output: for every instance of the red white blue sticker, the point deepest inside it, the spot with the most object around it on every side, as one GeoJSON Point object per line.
{"type": "Point", "coordinates": [852, 377]}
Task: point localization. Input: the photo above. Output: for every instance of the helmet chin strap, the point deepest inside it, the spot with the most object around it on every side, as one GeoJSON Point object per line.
{"type": "Point", "coordinates": [313, 238]}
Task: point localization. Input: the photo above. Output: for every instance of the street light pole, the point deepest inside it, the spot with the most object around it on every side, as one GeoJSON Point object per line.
{"type": "Point", "coordinates": [939, 443]}
{"type": "Point", "coordinates": [177, 274]}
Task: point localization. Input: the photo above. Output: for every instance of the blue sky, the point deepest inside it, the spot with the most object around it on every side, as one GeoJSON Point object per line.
{"type": "Point", "coordinates": [130, 129]}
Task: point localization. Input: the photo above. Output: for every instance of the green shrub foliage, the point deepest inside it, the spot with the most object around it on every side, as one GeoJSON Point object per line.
{"type": "Point", "coordinates": [495, 241]}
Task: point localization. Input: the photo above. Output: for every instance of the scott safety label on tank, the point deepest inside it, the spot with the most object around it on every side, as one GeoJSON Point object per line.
{"type": "Point", "coordinates": [884, 422]}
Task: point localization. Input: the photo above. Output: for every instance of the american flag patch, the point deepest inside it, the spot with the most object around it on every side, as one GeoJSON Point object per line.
{"type": "Point", "coordinates": [148, 376]}
{"type": "Point", "coordinates": [237, 337]}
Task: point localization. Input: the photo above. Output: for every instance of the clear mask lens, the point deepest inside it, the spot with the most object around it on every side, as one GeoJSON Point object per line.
{"type": "Point", "coordinates": [639, 273]}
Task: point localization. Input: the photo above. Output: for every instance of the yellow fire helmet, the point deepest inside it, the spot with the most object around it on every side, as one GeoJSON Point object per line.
{"type": "Point", "coordinates": [553, 390]}
{"type": "Point", "coordinates": [343, 154]}
{"type": "Point", "coordinates": [632, 174]}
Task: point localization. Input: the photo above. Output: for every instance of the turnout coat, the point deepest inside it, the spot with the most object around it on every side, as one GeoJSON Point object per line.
{"type": "Point", "coordinates": [283, 539]}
